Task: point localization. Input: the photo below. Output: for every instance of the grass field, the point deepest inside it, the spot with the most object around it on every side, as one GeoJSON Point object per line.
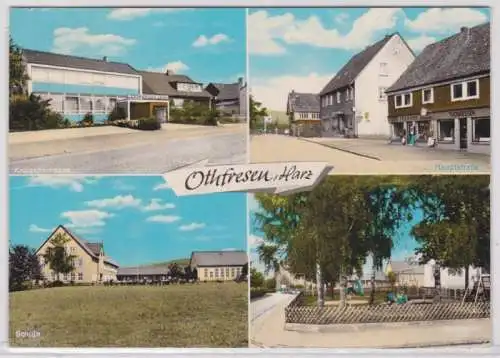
{"type": "Point", "coordinates": [200, 315]}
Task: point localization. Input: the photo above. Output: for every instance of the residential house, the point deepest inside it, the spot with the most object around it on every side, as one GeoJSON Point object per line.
{"type": "Point", "coordinates": [218, 265]}
{"type": "Point", "coordinates": [178, 88]}
{"type": "Point", "coordinates": [230, 98]}
{"type": "Point", "coordinates": [303, 113]}
{"type": "Point", "coordinates": [445, 92]}
{"type": "Point", "coordinates": [354, 103]}
{"type": "Point", "coordinates": [415, 275]}
{"type": "Point", "coordinates": [77, 86]}
{"type": "Point", "coordinates": [91, 265]}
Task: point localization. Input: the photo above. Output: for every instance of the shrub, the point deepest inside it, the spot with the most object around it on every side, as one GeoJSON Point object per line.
{"type": "Point", "coordinates": [56, 284]}
{"type": "Point", "coordinates": [256, 292]}
{"type": "Point", "coordinates": [117, 113]}
{"type": "Point", "coordinates": [28, 113]}
{"type": "Point", "coordinates": [88, 120]}
{"type": "Point", "coordinates": [149, 124]}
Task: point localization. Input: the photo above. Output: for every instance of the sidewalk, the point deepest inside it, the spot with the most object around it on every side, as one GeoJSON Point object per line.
{"type": "Point", "coordinates": [270, 332]}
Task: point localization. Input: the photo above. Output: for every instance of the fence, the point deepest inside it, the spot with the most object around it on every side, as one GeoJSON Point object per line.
{"type": "Point", "coordinates": [295, 312]}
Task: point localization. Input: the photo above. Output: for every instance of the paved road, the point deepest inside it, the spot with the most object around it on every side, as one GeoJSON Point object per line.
{"type": "Point", "coordinates": [147, 153]}
{"type": "Point", "coordinates": [372, 156]}
{"type": "Point", "coordinates": [267, 329]}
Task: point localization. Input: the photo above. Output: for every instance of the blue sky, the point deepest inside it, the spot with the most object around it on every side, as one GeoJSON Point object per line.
{"type": "Point", "coordinates": [303, 48]}
{"type": "Point", "coordinates": [138, 218]}
{"type": "Point", "coordinates": [404, 242]}
{"type": "Point", "coordinates": [207, 44]}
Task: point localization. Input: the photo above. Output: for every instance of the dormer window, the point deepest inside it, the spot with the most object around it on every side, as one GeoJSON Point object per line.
{"type": "Point", "coordinates": [189, 87]}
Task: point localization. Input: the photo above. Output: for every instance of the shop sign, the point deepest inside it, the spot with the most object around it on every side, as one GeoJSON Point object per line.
{"type": "Point", "coordinates": [462, 114]}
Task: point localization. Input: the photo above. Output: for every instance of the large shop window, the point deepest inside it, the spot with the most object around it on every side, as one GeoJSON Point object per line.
{"type": "Point", "coordinates": [99, 105]}
{"type": "Point", "coordinates": [446, 130]}
{"type": "Point", "coordinates": [481, 130]}
{"type": "Point", "coordinates": [71, 105]}
{"type": "Point", "coordinates": [86, 104]}
{"type": "Point", "coordinates": [398, 129]}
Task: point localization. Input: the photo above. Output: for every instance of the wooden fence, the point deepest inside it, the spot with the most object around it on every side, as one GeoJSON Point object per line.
{"type": "Point", "coordinates": [295, 312]}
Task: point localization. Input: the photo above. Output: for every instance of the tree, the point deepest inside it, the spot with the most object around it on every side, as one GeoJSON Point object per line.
{"type": "Point", "coordinates": [244, 270]}
{"type": "Point", "coordinates": [188, 273]}
{"type": "Point", "coordinates": [17, 70]}
{"type": "Point", "coordinates": [392, 278]}
{"type": "Point", "coordinates": [195, 274]}
{"type": "Point", "coordinates": [257, 112]}
{"type": "Point", "coordinates": [57, 257]}
{"type": "Point", "coordinates": [174, 270]}
{"type": "Point", "coordinates": [455, 231]}
{"type": "Point", "coordinates": [24, 265]}
{"type": "Point", "coordinates": [256, 278]}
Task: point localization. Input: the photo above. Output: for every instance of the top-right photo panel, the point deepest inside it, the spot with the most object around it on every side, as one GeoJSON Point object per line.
{"type": "Point", "coordinates": [371, 90]}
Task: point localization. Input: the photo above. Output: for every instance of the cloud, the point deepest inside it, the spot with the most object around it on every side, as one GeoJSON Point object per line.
{"type": "Point", "coordinates": [81, 41]}
{"type": "Point", "coordinates": [342, 17]}
{"type": "Point", "coordinates": [417, 44]}
{"type": "Point", "coordinates": [86, 218]}
{"type": "Point", "coordinates": [36, 228]}
{"type": "Point", "coordinates": [122, 186]}
{"type": "Point", "coordinates": [118, 202]}
{"type": "Point", "coordinates": [162, 186]}
{"type": "Point", "coordinates": [203, 40]}
{"type": "Point", "coordinates": [267, 34]}
{"type": "Point", "coordinates": [445, 20]}
{"type": "Point", "coordinates": [125, 14]}
{"type": "Point", "coordinates": [192, 227]}
{"type": "Point", "coordinates": [74, 183]}
{"type": "Point", "coordinates": [254, 241]}
{"type": "Point", "coordinates": [156, 204]}
{"type": "Point", "coordinates": [273, 91]}
{"type": "Point", "coordinates": [163, 219]}
{"type": "Point", "coordinates": [175, 66]}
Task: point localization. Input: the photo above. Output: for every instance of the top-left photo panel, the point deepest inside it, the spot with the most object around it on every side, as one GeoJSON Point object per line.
{"type": "Point", "coordinates": [126, 90]}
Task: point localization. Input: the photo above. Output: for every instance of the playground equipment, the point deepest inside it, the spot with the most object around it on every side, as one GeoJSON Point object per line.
{"type": "Point", "coordinates": [480, 290]}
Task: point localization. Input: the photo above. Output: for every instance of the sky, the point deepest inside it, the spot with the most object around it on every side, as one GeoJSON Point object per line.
{"type": "Point", "coordinates": [303, 48]}
{"type": "Point", "coordinates": [404, 243]}
{"type": "Point", "coordinates": [209, 45]}
{"type": "Point", "coordinates": [138, 218]}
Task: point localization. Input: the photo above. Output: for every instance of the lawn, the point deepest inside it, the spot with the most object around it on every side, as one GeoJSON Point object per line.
{"type": "Point", "coordinates": [200, 315]}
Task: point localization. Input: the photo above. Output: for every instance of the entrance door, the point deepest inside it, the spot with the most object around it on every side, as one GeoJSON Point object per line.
{"type": "Point", "coordinates": [463, 133]}
{"type": "Point", "coordinates": [161, 114]}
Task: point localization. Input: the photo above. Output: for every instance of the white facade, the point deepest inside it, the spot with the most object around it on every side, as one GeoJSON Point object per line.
{"type": "Point", "coordinates": [370, 85]}
{"type": "Point", "coordinates": [449, 279]}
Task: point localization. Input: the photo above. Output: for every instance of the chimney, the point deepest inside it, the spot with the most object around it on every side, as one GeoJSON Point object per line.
{"type": "Point", "coordinates": [240, 81]}
{"type": "Point", "coordinates": [169, 72]}
{"type": "Point", "coordinates": [464, 29]}
{"type": "Point", "coordinates": [105, 58]}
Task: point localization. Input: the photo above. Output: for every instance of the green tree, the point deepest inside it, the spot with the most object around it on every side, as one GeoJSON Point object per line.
{"type": "Point", "coordinates": [257, 112]}
{"type": "Point", "coordinates": [17, 70]}
{"type": "Point", "coordinates": [23, 266]}
{"type": "Point", "coordinates": [455, 231]}
{"type": "Point", "coordinates": [256, 278]}
{"type": "Point", "coordinates": [57, 257]}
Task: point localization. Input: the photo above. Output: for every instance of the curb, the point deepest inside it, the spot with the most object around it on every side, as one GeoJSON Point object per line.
{"type": "Point", "coordinates": [342, 149]}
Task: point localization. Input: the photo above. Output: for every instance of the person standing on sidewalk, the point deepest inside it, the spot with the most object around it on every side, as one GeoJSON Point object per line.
{"type": "Point", "coordinates": [412, 135]}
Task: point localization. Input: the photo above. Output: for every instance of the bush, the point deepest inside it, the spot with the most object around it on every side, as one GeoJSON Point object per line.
{"type": "Point", "coordinates": [270, 284]}
{"type": "Point", "coordinates": [88, 120]}
{"type": "Point", "coordinates": [149, 124]}
{"type": "Point", "coordinates": [55, 284]}
{"type": "Point", "coordinates": [116, 114]}
{"type": "Point", "coordinates": [27, 113]}
{"type": "Point", "coordinates": [256, 292]}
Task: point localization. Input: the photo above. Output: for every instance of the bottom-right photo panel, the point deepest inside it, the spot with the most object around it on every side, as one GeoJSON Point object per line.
{"type": "Point", "coordinates": [372, 262]}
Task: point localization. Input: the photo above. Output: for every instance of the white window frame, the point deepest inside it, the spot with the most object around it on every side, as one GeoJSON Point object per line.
{"type": "Point", "coordinates": [432, 96]}
{"type": "Point", "coordinates": [338, 96]}
{"type": "Point", "coordinates": [465, 97]}
{"type": "Point", "coordinates": [383, 69]}
{"type": "Point", "coordinates": [382, 96]}
{"type": "Point", "coordinates": [403, 105]}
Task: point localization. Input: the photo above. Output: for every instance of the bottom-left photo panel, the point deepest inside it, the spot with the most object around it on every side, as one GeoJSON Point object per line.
{"type": "Point", "coordinates": [121, 261]}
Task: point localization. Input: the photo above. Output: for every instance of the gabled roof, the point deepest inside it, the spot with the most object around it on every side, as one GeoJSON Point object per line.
{"type": "Point", "coordinates": [157, 83]}
{"type": "Point", "coordinates": [303, 102]}
{"type": "Point", "coordinates": [219, 258]}
{"type": "Point", "coordinates": [143, 270]}
{"type": "Point", "coordinates": [226, 91]}
{"type": "Point", "coordinates": [405, 267]}
{"type": "Point", "coordinates": [347, 74]}
{"type": "Point", "coordinates": [464, 54]}
{"type": "Point", "coordinates": [82, 63]}
{"type": "Point", "coordinates": [93, 249]}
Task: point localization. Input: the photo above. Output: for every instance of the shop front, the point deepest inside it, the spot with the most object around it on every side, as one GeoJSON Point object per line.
{"type": "Point", "coordinates": [466, 130]}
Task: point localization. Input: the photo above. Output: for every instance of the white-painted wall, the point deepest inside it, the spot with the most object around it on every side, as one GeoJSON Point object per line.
{"type": "Point", "coordinates": [398, 57]}
{"type": "Point", "coordinates": [448, 280]}
{"type": "Point", "coordinates": [80, 77]}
